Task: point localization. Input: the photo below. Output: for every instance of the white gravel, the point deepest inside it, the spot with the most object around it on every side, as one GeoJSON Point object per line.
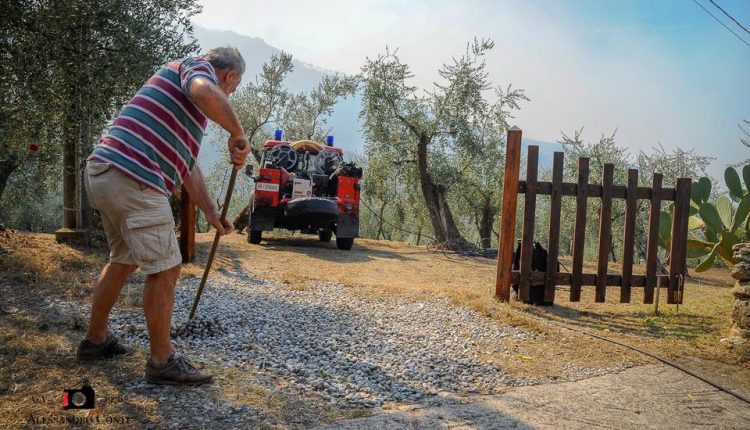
{"type": "Point", "coordinates": [324, 339]}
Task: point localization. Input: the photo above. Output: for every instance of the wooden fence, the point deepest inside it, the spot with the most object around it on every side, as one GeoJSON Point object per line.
{"type": "Point", "coordinates": [582, 191]}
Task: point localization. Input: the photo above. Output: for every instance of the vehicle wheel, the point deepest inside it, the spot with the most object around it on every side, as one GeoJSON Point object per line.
{"type": "Point", "coordinates": [255, 236]}
{"type": "Point", "coordinates": [344, 243]}
{"type": "Point", "coordinates": [325, 235]}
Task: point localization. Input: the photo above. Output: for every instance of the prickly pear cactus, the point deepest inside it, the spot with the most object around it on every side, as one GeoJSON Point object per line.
{"type": "Point", "coordinates": [715, 228]}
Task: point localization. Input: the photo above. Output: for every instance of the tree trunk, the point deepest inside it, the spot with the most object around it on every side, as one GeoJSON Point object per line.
{"type": "Point", "coordinates": [572, 235]}
{"type": "Point", "coordinates": [485, 225]}
{"type": "Point", "coordinates": [441, 217]}
{"type": "Point", "coordinates": [84, 149]}
{"type": "Point", "coordinates": [71, 134]}
{"type": "Point", "coordinates": [7, 167]}
{"type": "Point", "coordinates": [612, 250]}
{"type": "Point", "coordinates": [69, 176]}
{"type": "Point", "coordinates": [380, 222]}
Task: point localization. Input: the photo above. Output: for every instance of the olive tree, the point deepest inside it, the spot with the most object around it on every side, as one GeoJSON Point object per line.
{"type": "Point", "coordinates": [67, 67]}
{"type": "Point", "coordinates": [305, 116]}
{"type": "Point", "coordinates": [260, 102]}
{"type": "Point", "coordinates": [438, 130]}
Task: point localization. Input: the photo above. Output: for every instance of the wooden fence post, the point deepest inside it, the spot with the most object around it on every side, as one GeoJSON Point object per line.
{"type": "Point", "coordinates": [678, 250]}
{"type": "Point", "coordinates": [652, 246]}
{"type": "Point", "coordinates": [187, 226]}
{"type": "Point", "coordinates": [579, 235]}
{"type": "Point", "coordinates": [529, 217]}
{"type": "Point", "coordinates": [508, 215]}
{"type": "Point", "coordinates": [605, 232]}
{"type": "Point", "coordinates": [631, 207]}
{"type": "Point", "coordinates": [554, 227]}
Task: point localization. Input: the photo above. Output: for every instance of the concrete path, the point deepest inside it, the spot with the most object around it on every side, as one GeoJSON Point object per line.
{"type": "Point", "coordinates": [645, 397]}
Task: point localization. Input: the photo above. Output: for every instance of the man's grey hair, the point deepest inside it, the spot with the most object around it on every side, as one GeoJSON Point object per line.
{"type": "Point", "coordinates": [226, 58]}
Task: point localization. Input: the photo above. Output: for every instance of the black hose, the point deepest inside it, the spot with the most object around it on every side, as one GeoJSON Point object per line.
{"type": "Point", "coordinates": [646, 353]}
{"type": "Point", "coordinates": [392, 225]}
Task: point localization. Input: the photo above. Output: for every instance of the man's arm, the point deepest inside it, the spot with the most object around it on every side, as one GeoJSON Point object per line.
{"type": "Point", "coordinates": [212, 101]}
{"type": "Point", "coordinates": [215, 105]}
{"type": "Point", "coordinates": [198, 190]}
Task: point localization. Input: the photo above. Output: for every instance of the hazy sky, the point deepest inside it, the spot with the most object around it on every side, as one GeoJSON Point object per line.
{"type": "Point", "coordinates": [657, 71]}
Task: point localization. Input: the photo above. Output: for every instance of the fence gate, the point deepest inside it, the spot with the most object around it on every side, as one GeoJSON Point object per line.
{"type": "Point", "coordinates": [582, 191]}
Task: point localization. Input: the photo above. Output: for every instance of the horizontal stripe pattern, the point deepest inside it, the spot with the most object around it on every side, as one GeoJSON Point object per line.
{"type": "Point", "coordinates": [156, 137]}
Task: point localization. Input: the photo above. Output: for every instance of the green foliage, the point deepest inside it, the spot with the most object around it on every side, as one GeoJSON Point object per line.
{"type": "Point", "coordinates": [732, 179]}
{"type": "Point", "coordinates": [259, 102]}
{"type": "Point", "coordinates": [701, 190]}
{"type": "Point", "coordinates": [305, 115]}
{"type": "Point", "coordinates": [665, 230]}
{"type": "Point", "coordinates": [601, 152]}
{"type": "Point", "coordinates": [671, 165]}
{"type": "Point", "coordinates": [446, 142]}
{"type": "Point", "coordinates": [716, 226]}
{"type": "Point", "coordinates": [65, 69]}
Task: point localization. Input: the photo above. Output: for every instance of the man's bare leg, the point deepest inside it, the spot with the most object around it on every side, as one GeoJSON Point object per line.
{"type": "Point", "coordinates": [158, 302]}
{"type": "Point", "coordinates": [106, 292]}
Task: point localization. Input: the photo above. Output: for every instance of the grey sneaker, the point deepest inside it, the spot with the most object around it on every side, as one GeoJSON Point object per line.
{"type": "Point", "coordinates": [176, 371]}
{"type": "Point", "coordinates": [110, 348]}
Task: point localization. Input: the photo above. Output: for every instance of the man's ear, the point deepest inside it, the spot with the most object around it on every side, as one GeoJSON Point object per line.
{"type": "Point", "coordinates": [232, 74]}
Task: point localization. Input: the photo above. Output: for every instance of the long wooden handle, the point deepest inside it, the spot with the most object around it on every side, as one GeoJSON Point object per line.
{"type": "Point", "coordinates": [224, 209]}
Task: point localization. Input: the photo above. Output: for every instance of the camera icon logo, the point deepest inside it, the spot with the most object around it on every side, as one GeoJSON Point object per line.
{"type": "Point", "coordinates": [82, 398]}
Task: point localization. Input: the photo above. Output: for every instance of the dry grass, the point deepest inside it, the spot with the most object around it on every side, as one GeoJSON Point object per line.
{"type": "Point", "coordinates": [37, 351]}
{"type": "Point", "coordinates": [37, 344]}
{"type": "Point", "coordinates": [397, 270]}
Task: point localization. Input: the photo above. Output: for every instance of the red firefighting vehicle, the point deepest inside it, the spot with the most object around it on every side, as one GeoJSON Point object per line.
{"type": "Point", "coordinates": [305, 186]}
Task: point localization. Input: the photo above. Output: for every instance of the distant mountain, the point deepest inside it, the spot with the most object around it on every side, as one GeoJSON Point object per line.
{"type": "Point", "coordinates": [546, 151]}
{"type": "Point", "coordinates": [345, 119]}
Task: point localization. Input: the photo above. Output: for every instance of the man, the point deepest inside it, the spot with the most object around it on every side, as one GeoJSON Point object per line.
{"type": "Point", "coordinates": [150, 149]}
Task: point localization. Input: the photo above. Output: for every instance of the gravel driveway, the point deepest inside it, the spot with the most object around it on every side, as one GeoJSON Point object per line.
{"type": "Point", "coordinates": [349, 350]}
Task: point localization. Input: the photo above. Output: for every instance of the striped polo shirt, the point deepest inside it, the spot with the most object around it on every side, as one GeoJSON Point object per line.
{"type": "Point", "coordinates": [156, 137]}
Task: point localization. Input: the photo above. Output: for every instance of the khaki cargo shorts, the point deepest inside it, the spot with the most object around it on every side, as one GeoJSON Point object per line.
{"type": "Point", "coordinates": [137, 219]}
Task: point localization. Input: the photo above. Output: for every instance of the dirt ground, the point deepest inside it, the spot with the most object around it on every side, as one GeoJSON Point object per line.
{"type": "Point", "coordinates": [384, 268]}
{"type": "Point", "coordinates": [38, 337]}
{"type": "Point", "coordinates": [646, 397]}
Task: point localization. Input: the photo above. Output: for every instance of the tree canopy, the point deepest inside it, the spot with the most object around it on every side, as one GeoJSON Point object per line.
{"type": "Point", "coordinates": [443, 135]}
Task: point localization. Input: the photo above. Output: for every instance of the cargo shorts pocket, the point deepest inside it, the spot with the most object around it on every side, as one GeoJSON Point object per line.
{"type": "Point", "coordinates": [151, 235]}
{"type": "Point", "coordinates": [96, 168]}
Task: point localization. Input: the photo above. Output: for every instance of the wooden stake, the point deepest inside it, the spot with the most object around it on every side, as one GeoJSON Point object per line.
{"type": "Point", "coordinates": [508, 215]}
{"type": "Point", "coordinates": [224, 209]}
{"type": "Point", "coordinates": [187, 226]}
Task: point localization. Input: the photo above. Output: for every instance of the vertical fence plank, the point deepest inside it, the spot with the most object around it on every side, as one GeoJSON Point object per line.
{"type": "Point", "coordinates": [529, 215]}
{"type": "Point", "coordinates": [508, 215]}
{"type": "Point", "coordinates": [678, 250]}
{"type": "Point", "coordinates": [579, 234]}
{"type": "Point", "coordinates": [605, 232]}
{"type": "Point", "coordinates": [652, 247]}
{"type": "Point", "coordinates": [631, 206]}
{"type": "Point", "coordinates": [187, 226]}
{"type": "Point", "coordinates": [554, 227]}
